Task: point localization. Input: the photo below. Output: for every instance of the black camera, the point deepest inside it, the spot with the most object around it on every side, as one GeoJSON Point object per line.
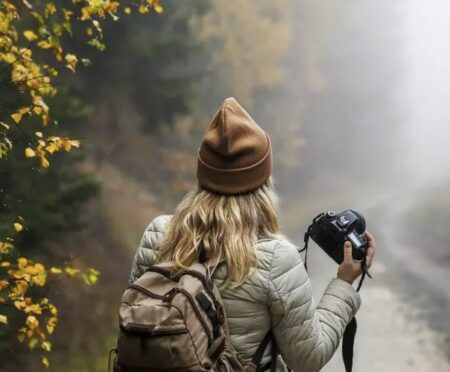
{"type": "Point", "coordinates": [330, 230]}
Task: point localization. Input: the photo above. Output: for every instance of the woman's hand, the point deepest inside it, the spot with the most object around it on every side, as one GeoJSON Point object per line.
{"type": "Point", "coordinates": [350, 269]}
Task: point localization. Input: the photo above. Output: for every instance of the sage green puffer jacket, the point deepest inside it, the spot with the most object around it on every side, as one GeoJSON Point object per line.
{"type": "Point", "coordinates": [277, 295]}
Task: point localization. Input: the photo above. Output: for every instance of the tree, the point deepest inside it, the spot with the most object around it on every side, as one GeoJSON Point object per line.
{"type": "Point", "coordinates": [33, 39]}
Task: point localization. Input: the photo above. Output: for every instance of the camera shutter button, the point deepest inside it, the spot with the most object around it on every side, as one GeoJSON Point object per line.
{"type": "Point", "coordinates": [331, 213]}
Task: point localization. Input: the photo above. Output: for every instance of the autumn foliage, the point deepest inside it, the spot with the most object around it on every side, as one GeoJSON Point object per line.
{"type": "Point", "coordinates": [33, 54]}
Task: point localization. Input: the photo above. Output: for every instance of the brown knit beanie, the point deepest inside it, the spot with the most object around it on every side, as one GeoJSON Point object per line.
{"type": "Point", "coordinates": [235, 154]}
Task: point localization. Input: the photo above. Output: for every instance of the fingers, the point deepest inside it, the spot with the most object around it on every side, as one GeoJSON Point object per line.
{"type": "Point", "coordinates": [348, 257]}
{"type": "Point", "coordinates": [370, 239]}
{"type": "Point", "coordinates": [370, 248]}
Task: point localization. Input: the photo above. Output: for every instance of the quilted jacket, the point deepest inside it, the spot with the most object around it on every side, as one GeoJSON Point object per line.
{"type": "Point", "coordinates": [277, 295]}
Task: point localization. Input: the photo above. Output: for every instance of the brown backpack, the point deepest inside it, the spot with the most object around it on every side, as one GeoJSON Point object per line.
{"type": "Point", "coordinates": [176, 322]}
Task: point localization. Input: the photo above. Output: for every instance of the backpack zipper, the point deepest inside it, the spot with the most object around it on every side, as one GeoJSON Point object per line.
{"type": "Point", "coordinates": [138, 328]}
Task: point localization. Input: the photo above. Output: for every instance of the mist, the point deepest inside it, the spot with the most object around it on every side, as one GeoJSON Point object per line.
{"type": "Point", "coordinates": [369, 85]}
{"type": "Point", "coordinates": [355, 97]}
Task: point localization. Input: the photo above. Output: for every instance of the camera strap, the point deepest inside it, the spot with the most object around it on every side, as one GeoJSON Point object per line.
{"type": "Point", "coordinates": [348, 338]}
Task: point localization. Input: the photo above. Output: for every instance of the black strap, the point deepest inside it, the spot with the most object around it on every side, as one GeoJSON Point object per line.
{"type": "Point", "coordinates": [348, 338]}
{"type": "Point", "coordinates": [113, 350]}
{"type": "Point", "coordinates": [305, 247]}
{"type": "Point", "coordinates": [207, 307]}
{"type": "Point", "coordinates": [257, 357]}
{"type": "Point", "coordinates": [348, 341]}
{"type": "Point", "coordinates": [273, 356]}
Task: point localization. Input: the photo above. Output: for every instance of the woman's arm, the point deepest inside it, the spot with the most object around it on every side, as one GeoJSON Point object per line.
{"type": "Point", "coordinates": [307, 336]}
{"type": "Point", "coordinates": [145, 255]}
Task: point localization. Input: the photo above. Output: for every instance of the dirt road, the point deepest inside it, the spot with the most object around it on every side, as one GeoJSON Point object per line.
{"type": "Point", "coordinates": [404, 322]}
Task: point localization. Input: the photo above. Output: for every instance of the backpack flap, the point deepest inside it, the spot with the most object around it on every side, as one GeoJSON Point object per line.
{"type": "Point", "coordinates": [152, 331]}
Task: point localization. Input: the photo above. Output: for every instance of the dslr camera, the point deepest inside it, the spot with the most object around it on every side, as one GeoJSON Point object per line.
{"type": "Point", "coordinates": [330, 230]}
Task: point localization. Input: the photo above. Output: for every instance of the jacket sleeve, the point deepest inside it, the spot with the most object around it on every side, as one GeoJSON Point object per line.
{"type": "Point", "coordinates": [307, 336]}
{"type": "Point", "coordinates": [145, 255]}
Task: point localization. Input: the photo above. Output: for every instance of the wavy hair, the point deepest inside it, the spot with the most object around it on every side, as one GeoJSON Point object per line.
{"type": "Point", "coordinates": [217, 227]}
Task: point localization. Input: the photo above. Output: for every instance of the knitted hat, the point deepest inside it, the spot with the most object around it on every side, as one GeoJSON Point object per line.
{"type": "Point", "coordinates": [235, 154]}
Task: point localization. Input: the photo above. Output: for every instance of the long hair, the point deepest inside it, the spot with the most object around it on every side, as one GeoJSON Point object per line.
{"type": "Point", "coordinates": [215, 227]}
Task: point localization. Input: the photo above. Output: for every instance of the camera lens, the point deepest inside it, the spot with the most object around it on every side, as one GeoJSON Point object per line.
{"type": "Point", "coordinates": [360, 225]}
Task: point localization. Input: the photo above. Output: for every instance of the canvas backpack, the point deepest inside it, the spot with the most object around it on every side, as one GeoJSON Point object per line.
{"type": "Point", "coordinates": [176, 322]}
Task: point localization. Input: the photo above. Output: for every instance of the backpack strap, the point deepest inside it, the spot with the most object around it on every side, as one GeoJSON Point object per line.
{"type": "Point", "coordinates": [212, 314]}
{"type": "Point", "coordinates": [257, 357]}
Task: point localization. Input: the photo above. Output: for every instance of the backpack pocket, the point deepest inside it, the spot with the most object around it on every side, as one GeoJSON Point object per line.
{"type": "Point", "coordinates": [143, 346]}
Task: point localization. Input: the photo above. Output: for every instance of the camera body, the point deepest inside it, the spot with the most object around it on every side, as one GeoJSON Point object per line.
{"type": "Point", "coordinates": [330, 230]}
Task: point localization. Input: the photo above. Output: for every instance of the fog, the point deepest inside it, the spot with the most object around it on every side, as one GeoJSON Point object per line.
{"type": "Point", "coordinates": [356, 98]}
{"type": "Point", "coordinates": [369, 83]}
{"type": "Point", "coordinates": [427, 91]}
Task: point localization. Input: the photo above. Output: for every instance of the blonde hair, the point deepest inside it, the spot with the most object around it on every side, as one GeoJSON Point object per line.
{"type": "Point", "coordinates": [221, 228]}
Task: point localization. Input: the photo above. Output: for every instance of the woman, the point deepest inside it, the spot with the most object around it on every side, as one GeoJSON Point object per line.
{"type": "Point", "coordinates": [231, 222]}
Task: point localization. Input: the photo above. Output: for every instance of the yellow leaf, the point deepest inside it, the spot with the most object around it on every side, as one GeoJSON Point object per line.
{"type": "Point", "coordinates": [19, 304]}
{"type": "Point", "coordinates": [67, 145]}
{"type": "Point", "coordinates": [30, 35]}
{"type": "Point", "coordinates": [3, 319]}
{"type": "Point", "coordinates": [52, 147]}
{"type": "Point", "coordinates": [24, 110]}
{"type": "Point", "coordinates": [75, 143]}
{"type": "Point", "coordinates": [143, 9]}
{"type": "Point", "coordinates": [55, 270]}
{"type": "Point", "coordinates": [17, 117]}
{"type": "Point", "coordinates": [44, 162]}
{"type": "Point", "coordinates": [3, 285]}
{"type": "Point", "coordinates": [39, 279]}
{"type": "Point", "coordinates": [32, 322]}
{"type": "Point", "coordinates": [50, 8]}
{"type": "Point", "coordinates": [53, 310]}
{"type": "Point", "coordinates": [127, 10]}
{"type": "Point", "coordinates": [32, 343]}
{"type": "Point", "coordinates": [71, 271]}
{"type": "Point", "coordinates": [38, 134]}
{"type": "Point", "coordinates": [4, 125]}
{"type": "Point", "coordinates": [29, 152]}
{"type": "Point", "coordinates": [47, 346]}
{"type": "Point", "coordinates": [21, 337]}
{"type": "Point", "coordinates": [34, 309]}
{"type": "Point", "coordinates": [9, 58]}
{"type": "Point", "coordinates": [51, 324]}
{"type": "Point", "coordinates": [38, 110]}
{"type": "Point", "coordinates": [44, 44]}
{"type": "Point", "coordinates": [5, 264]}
{"type": "Point", "coordinates": [158, 8]}
{"type": "Point", "coordinates": [22, 262]}
{"type": "Point", "coordinates": [45, 362]}
{"type": "Point", "coordinates": [18, 227]}
{"type": "Point", "coordinates": [5, 247]}
{"type": "Point", "coordinates": [19, 289]}
{"type": "Point", "coordinates": [71, 60]}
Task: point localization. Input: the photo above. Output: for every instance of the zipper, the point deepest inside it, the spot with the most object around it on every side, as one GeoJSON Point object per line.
{"type": "Point", "coordinates": [137, 328]}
